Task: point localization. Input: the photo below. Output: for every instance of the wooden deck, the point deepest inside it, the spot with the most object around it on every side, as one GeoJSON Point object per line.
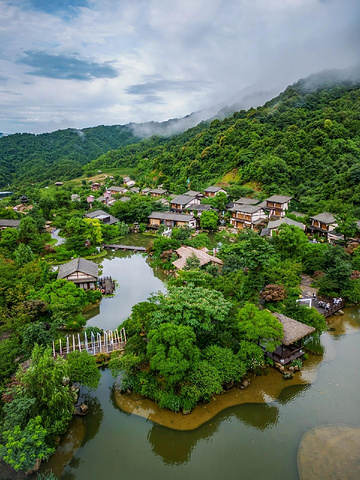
{"type": "Point", "coordinates": [107, 285]}
{"type": "Point", "coordinates": [333, 309]}
{"type": "Point", "coordinates": [134, 248]}
{"type": "Point", "coordinates": [285, 355]}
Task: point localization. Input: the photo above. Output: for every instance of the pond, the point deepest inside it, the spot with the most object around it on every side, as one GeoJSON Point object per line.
{"type": "Point", "coordinates": [254, 440]}
{"type": "Point", "coordinates": [135, 281]}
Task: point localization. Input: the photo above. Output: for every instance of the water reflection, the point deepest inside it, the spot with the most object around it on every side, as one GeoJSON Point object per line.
{"type": "Point", "coordinates": [344, 324]}
{"type": "Point", "coordinates": [174, 447]}
{"type": "Point", "coordinates": [97, 415]}
{"type": "Point", "coordinates": [135, 281]}
{"type": "Point", "coordinates": [291, 393]}
{"type": "Point", "coordinates": [261, 416]}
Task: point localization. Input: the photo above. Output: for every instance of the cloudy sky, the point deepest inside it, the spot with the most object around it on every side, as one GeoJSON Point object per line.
{"type": "Point", "coordinates": [78, 63]}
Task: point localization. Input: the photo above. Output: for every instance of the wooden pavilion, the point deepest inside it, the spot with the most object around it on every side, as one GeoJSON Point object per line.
{"type": "Point", "coordinates": [81, 272]}
{"type": "Point", "coordinates": [291, 347]}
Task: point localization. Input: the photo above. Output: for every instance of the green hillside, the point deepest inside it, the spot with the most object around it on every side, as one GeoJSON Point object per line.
{"type": "Point", "coordinates": [303, 142]}
{"type": "Point", "coordinates": [57, 155]}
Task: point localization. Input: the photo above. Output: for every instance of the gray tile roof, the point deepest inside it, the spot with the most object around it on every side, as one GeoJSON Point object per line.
{"type": "Point", "coordinates": [102, 216]}
{"type": "Point", "coordinates": [118, 189]}
{"type": "Point", "coordinates": [284, 221]}
{"type": "Point", "coordinates": [212, 189]}
{"type": "Point", "coordinates": [325, 217]}
{"type": "Point", "coordinates": [9, 223]}
{"type": "Point", "coordinates": [200, 208]}
{"type": "Point", "coordinates": [183, 199]}
{"type": "Point", "coordinates": [279, 198]}
{"type": "Point", "coordinates": [194, 193]}
{"type": "Point", "coordinates": [175, 217]}
{"type": "Point", "coordinates": [245, 208]}
{"type": "Point", "coordinates": [78, 265]}
{"type": "Point", "coordinates": [246, 201]}
{"type": "Point", "coordinates": [159, 191]}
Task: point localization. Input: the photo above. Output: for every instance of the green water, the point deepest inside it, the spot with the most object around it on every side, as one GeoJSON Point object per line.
{"type": "Point", "coordinates": [251, 441]}
{"type": "Point", "coordinates": [135, 281]}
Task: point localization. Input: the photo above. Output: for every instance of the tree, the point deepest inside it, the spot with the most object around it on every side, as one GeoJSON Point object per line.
{"type": "Point", "coordinates": [209, 220]}
{"type": "Point", "coordinates": [172, 351]}
{"type": "Point", "coordinates": [83, 369]}
{"type": "Point", "coordinates": [24, 447]}
{"type": "Point", "coordinates": [43, 380]}
{"type": "Point", "coordinates": [259, 326]}
{"type": "Point", "coordinates": [347, 225]}
{"type": "Point", "coordinates": [23, 255]}
{"type": "Point", "coordinates": [202, 309]}
{"type": "Point", "coordinates": [228, 365]}
{"type": "Point", "coordinates": [290, 242]}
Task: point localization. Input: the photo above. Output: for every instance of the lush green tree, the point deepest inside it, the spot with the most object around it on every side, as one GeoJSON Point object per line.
{"type": "Point", "coordinates": [23, 255]}
{"type": "Point", "coordinates": [259, 327]}
{"type": "Point", "coordinates": [290, 242]}
{"type": "Point", "coordinates": [172, 351]}
{"type": "Point", "coordinates": [22, 448]}
{"type": "Point", "coordinates": [202, 309]}
{"type": "Point", "coordinates": [83, 369]}
{"type": "Point", "coordinates": [228, 365]}
{"type": "Point", "coordinates": [43, 380]}
{"type": "Point", "coordinates": [209, 220]}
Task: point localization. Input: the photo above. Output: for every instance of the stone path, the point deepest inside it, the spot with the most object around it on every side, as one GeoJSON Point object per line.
{"type": "Point", "coordinates": [306, 289]}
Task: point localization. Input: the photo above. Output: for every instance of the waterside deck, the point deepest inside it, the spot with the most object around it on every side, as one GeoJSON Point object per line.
{"type": "Point", "coordinates": [134, 248]}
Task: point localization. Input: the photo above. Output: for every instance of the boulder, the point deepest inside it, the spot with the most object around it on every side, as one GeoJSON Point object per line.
{"type": "Point", "coordinates": [245, 384]}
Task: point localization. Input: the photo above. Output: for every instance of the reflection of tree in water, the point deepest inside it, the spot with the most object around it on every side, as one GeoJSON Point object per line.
{"type": "Point", "coordinates": [258, 415]}
{"type": "Point", "coordinates": [291, 392]}
{"type": "Point", "coordinates": [94, 418]}
{"type": "Point", "coordinates": [174, 446]}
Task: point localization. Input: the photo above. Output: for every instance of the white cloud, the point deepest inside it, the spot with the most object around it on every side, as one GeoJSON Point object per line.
{"type": "Point", "coordinates": [206, 50]}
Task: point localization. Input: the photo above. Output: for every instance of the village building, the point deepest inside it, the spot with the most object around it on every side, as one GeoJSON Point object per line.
{"type": "Point", "coordinates": [124, 199]}
{"type": "Point", "coordinates": [204, 258]}
{"type": "Point", "coordinates": [130, 183]}
{"type": "Point", "coordinates": [145, 191]}
{"type": "Point", "coordinates": [212, 191]}
{"type": "Point", "coordinates": [183, 202]}
{"type": "Point", "coordinates": [104, 217]}
{"type": "Point", "coordinates": [126, 179]}
{"type": "Point", "coordinates": [198, 209]}
{"type": "Point", "coordinates": [9, 223]}
{"type": "Point", "coordinates": [75, 197]}
{"type": "Point", "coordinates": [5, 194]}
{"type": "Point", "coordinates": [158, 192]}
{"type": "Point", "coordinates": [194, 193]}
{"type": "Point", "coordinates": [59, 184]}
{"type": "Point", "coordinates": [106, 199]}
{"type": "Point", "coordinates": [277, 205]}
{"type": "Point", "coordinates": [247, 216]}
{"type": "Point", "coordinates": [117, 190]}
{"type": "Point", "coordinates": [135, 190]}
{"type": "Point", "coordinates": [274, 225]}
{"type": "Point", "coordinates": [81, 272]}
{"type": "Point", "coordinates": [322, 224]}
{"type": "Point", "coordinates": [171, 220]}
{"type": "Point", "coordinates": [164, 202]}
{"type": "Point", "coordinates": [95, 186]}
{"type": "Point", "coordinates": [246, 201]}
{"type": "Point", "coordinates": [291, 346]}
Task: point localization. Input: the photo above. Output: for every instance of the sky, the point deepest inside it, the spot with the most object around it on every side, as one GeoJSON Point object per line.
{"type": "Point", "coordinates": [81, 63]}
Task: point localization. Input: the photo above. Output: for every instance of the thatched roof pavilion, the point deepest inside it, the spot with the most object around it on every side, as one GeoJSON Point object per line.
{"type": "Point", "coordinates": [188, 252]}
{"type": "Point", "coordinates": [291, 347]}
{"type": "Point", "coordinates": [293, 330]}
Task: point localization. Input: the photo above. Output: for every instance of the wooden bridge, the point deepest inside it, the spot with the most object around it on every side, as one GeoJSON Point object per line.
{"type": "Point", "coordinates": [110, 341]}
{"type": "Point", "coordinates": [134, 248]}
{"type": "Point", "coordinates": [332, 309]}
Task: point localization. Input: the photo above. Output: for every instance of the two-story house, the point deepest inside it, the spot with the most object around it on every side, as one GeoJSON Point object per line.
{"type": "Point", "coordinates": [104, 217]}
{"type": "Point", "coordinates": [183, 202]}
{"type": "Point", "coordinates": [247, 216]}
{"type": "Point", "coordinates": [322, 224]}
{"type": "Point", "coordinates": [212, 191]}
{"type": "Point", "coordinates": [158, 192]}
{"type": "Point", "coordinates": [277, 205]}
{"type": "Point", "coordinates": [171, 220]}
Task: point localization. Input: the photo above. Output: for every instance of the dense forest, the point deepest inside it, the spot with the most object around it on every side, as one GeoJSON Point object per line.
{"type": "Point", "coordinates": [28, 158]}
{"type": "Point", "coordinates": [304, 142]}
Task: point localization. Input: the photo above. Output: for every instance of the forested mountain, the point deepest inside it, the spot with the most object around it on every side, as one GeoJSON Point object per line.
{"type": "Point", "coordinates": [305, 142]}
{"type": "Point", "coordinates": [60, 154]}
